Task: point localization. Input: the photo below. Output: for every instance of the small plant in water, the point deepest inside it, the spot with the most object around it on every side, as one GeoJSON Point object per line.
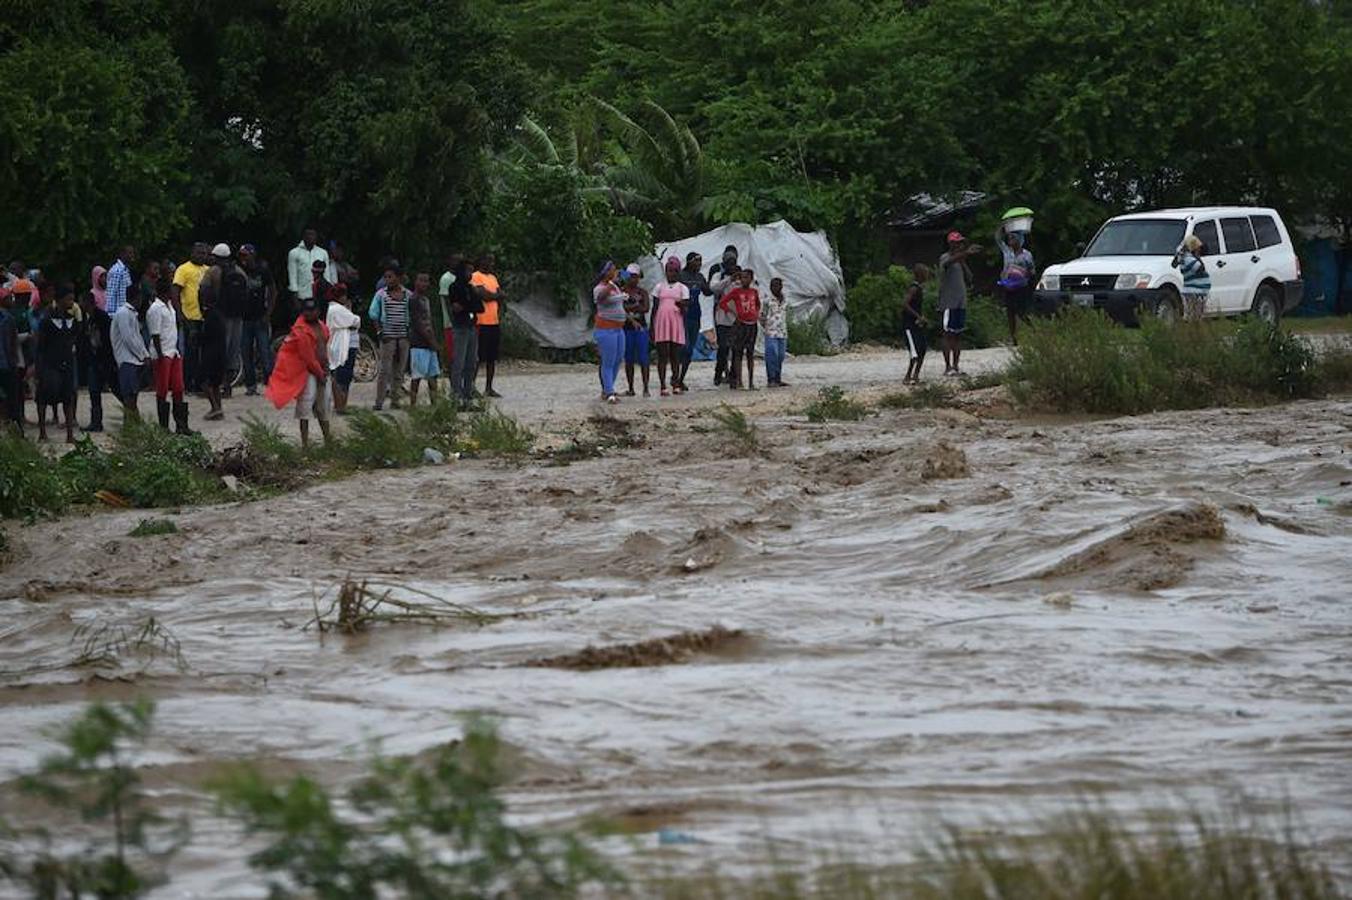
{"type": "Point", "coordinates": [424, 829]}
{"type": "Point", "coordinates": [152, 527]}
{"type": "Point", "coordinates": [733, 424]}
{"type": "Point", "coordinates": [832, 405]}
{"type": "Point", "coordinates": [91, 780]}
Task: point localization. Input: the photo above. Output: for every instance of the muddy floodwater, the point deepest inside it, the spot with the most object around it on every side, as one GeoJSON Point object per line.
{"type": "Point", "coordinates": [927, 615]}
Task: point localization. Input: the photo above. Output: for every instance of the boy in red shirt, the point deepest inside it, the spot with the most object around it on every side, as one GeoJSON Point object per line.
{"type": "Point", "coordinates": [744, 301]}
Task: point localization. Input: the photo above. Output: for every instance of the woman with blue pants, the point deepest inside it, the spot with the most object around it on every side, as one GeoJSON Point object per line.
{"type": "Point", "coordinates": [610, 319]}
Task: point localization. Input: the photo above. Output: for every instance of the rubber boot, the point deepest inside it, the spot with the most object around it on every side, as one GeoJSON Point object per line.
{"type": "Point", "coordinates": [162, 407]}
{"type": "Point", "coordinates": [181, 418]}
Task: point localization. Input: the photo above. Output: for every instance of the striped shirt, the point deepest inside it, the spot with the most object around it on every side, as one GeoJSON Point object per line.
{"type": "Point", "coordinates": [391, 313]}
{"type": "Point", "coordinates": [119, 280]}
{"type": "Point", "coordinates": [1196, 280]}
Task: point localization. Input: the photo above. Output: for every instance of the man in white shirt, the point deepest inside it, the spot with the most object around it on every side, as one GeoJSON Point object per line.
{"type": "Point", "coordinates": [167, 364]}
{"type": "Point", "coordinates": [300, 269]}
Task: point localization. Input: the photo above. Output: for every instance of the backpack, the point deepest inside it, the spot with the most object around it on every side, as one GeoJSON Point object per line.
{"type": "Point", "coordinates": [234, 292]}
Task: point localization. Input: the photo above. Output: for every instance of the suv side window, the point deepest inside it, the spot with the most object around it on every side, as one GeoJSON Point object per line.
{"type": "Point", "coordinates": [1206, 233]}
{"type": "Point", "coordinates": [1238, 235]}
{"type": "Point", "coordinates": [1265, 230]}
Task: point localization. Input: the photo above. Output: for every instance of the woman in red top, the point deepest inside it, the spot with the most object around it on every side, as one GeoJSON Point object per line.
{"type": "Point", "coordinates": [301, 372]}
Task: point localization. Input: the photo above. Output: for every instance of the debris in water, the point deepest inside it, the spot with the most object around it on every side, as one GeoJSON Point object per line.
{"type": "Point", "coordinates": [1061, 600]}
{"type": "Point", "coordinates": [674, 648]}
{"type": "Point", "coordinates": [945, 461]}
{"type": "Point", "coordinates": [360, 605]}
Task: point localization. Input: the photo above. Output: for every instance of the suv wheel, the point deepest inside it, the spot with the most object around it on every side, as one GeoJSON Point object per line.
{"type": "Point", "coordinates": [1168, 308]}
{"type": "Point", "coordinates": [1266, 305]}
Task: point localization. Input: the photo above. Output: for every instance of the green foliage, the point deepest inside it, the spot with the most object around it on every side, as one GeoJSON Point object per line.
{"type": "Point", "coordinates": [874, 305]}
{"type": "Point", "coordinates": [147, 465]}
{"type": "Point", "coordinates": [1335, 368]}
{"type": "Point", "coordinates": [521, 219]}
{"type": "Point", "coordinates": [492, 431]}
{"type": "Point", "coordinates": [428, 829]}
{"type": "Point", "coordinates": [153, 527]}
{"type": "Point", "coordinates": [808, 335]}
{"type": "Point", "coordinates": [1082, 361]}
{"type": "Point", "coordinates": [377, 441]}
{"type": "Point", "coordinates": [740, 432]}
{"type": "Point", "coordinates": [266, 444]}
{"type": "Point", "coordinates": [831, 404]}
{"type": "Point", "coordinates": [92, 781]}
{"type": "Point", "coordinates": [29, 485]}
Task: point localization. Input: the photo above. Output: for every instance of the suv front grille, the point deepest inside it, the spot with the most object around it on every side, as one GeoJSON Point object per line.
{"type": "Point", "coordinates": [1088, 282]}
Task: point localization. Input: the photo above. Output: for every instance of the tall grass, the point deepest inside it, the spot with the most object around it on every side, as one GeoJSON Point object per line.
{"type": "Point", "coordinates": [1081, 361]}
{"type": "Point", "coordinates": [1088, 855]}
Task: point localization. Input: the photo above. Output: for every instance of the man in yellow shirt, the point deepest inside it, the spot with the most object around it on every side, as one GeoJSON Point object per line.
{"type": "Point", "coordinates": [187, 281]}
{"type": "Point", "coordinates": [485, 283]}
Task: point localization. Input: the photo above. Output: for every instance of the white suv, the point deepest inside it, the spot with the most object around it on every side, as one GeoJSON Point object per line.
{"type": "Point", "coordinates": [1127, 268]}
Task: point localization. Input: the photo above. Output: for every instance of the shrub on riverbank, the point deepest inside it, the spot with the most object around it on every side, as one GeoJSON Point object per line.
{"type": "Point", "coordinates": [146, 466]}
{"type": "Point", "coordinates": [873, 307]}
{"type": "Point", "coordinates": [1081, 361]}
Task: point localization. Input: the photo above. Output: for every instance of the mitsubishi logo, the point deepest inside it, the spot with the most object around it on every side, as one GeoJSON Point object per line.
{"type": "Point", "coordinates": [1084, 283]}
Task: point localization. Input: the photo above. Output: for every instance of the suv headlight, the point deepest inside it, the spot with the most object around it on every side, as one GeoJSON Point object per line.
{"type": "Point", "coordinates": [1049, 283]}
{"type": "Point", "coordinates": [1132, 282]}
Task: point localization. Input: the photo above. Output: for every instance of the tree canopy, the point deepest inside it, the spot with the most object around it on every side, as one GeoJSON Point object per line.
{"type": "Point", "coordinates": [399, 126]}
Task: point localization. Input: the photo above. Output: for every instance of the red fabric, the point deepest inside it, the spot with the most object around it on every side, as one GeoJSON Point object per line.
{"type": "Point", "coordinates": [746, 301]}
{"type": "Point", "coordinates": [450, 344]}
{"type": "Point", "coordinates": [168, 372]}
{"type": "Point", "coordinates": [297, 358]}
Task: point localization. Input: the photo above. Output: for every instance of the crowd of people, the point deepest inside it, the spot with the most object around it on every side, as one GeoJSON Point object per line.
{"type": "Point", "coordinates": [206, 324]}
{"type": "Point", "coordinates": [632, 322]}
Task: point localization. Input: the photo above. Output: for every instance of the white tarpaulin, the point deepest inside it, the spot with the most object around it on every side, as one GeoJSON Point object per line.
{"type": "Point", "coordinates": [813, 284]}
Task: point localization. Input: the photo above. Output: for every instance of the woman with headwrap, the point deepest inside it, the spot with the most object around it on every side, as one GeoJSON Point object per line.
{"type": "Point", "coordinates": [610, 318]}
{"type": "Point", "coordinates": [98, 286]}
{"type": "Point", "coordinates": [671, 298]}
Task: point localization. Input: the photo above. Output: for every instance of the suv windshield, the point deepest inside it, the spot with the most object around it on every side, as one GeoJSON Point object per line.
{"type": "Point", "coordinates": [1138, 237]}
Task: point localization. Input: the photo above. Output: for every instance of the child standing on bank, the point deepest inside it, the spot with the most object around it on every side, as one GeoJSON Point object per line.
{"type": "Point", "coordinates": [637, 345]}
{"type": "Point", "coordinates": [422, 354]}
{"type": "Point", "coordinates": [913, 323]}
{"type": "Point", "coordinates": [743, 303]}
{"type": "Point", "coordinates": [774, 319]}
{"type": "Point", "coordinates": [56, 362]}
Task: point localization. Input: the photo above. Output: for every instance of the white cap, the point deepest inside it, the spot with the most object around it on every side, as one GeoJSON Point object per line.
{"type": "Point", "coordinates": [221, 250]}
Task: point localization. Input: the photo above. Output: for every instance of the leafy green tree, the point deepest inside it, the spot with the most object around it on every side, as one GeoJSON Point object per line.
{"type": "Point", "coordinates": [94, 149]}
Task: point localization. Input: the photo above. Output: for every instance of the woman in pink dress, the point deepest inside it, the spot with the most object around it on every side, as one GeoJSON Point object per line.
{"type": "Point", "coordinates": [669, 302]}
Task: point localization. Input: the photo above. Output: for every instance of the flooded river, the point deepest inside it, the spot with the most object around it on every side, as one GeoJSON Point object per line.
{"type": "Point", "coordinates": [946, 616]}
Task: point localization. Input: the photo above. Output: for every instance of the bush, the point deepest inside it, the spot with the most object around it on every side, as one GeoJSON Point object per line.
{"type": "Point", "coordinates": [495, 432]}
{"type": "Point", "coordinates": [153, 527]}
{"type": "Point", "coordinates": [808, 336]}
{"type": "Point", "coordinates": [436, 828]}
{"type": "Point", "coordinates": [439, 425]}
{"type": "Point", "coordinates": [733, 424]}
{"type": "Point", "coordinates": [30, 486]}
{"type": "Point", "coordinates": [832, 404]}
{"type": "Point", "coordinates": [265, 443]}
{"type": "Point", "coordinates": [376, 441]}
{"type": "Point", "coordinates": [1082, 361]}
{"type": "Point", "coordinates": [874, 305]}
{"type": "Point", "coordinates": [874, 311]}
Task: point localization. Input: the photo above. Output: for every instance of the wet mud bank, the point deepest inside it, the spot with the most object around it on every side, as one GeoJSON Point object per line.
{"type": "Point", "coordinates": [828, 641]}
